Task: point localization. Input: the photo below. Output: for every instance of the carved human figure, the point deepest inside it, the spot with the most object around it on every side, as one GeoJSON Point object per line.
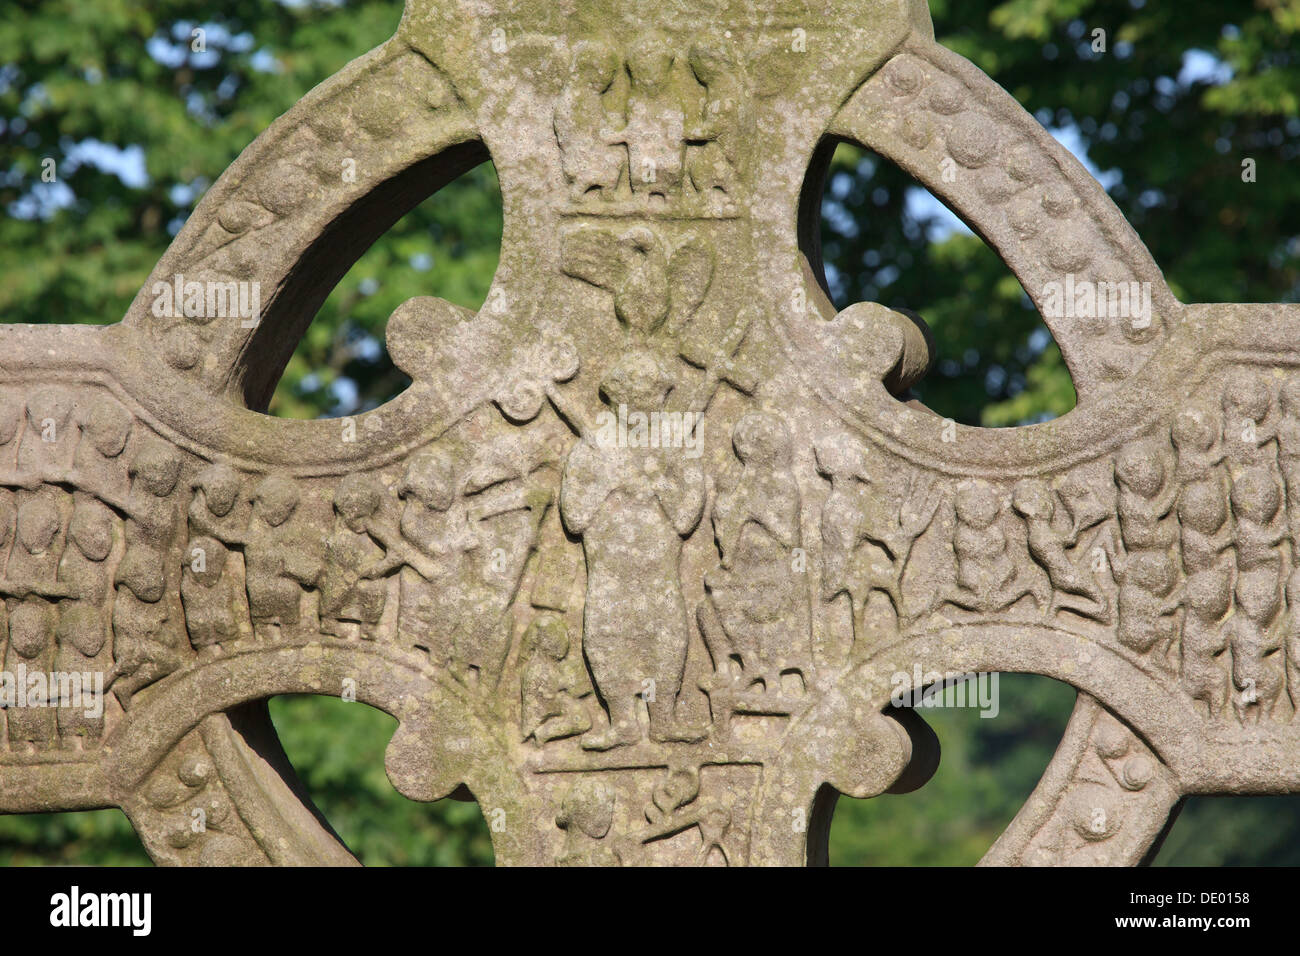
{"type": "Point", "coordinates": [346, 596]}
{"type": "Point", "coordinates": [655, 133]}
{"type": "Point", "coordinates": [1035, 501]}
{"type": "Point", "coordinates": [504, 508]}
{"type": "Point", "coordinates": [84, 578]}
{"type": "Point", "coordinates": [856, 513]}
{"type": "Point", "coordinates": [148, 634]}
{"type": "Point", "coordinates": [756, 526]}
{"type": "Point", "coordinates": [1197, 438]}
{"type": "Point", "coordinates": [147, 642]}
{"type": "Point", "coordinates": [101, 476]}
{"type": "Point", "coordinates": [1148, 600]}
{"type": "Point", "coordinates": [1205, 531]}
{"type": "Point", "coordinates": [428, 551]}
{"type": "Point", "coordinates": [1255, 637]}
{"type": "Point", "coordinates": [213, 596]}
{"type": "Point", "coordinates": [725, 122]}
{"type": "Point", "coordinates": [81, 637]}
{"type": "Point", "coordinates": [8, 533]}
{"type": "Point", "coordinates": [152, 515]}
{"type": "Point", "coordinates": [428, 492]}
{"type": "Point", "coordinates": [988, 579]}
{"type": "Point", "coordinates": [553, 683]}
{"type": "Point", "coordinates": [99, 469]}
{"type": "Point", "coordinates": [1209, 598]}
{"type": "Point", "coordinates": [1248, 423]}
{"type": "Point", "coordinates": [1146, 498]}
{"type": "Point", "coordinates": [1147, 574]}
{"type": "Point", "coordinates": [45, 452]}
{"type": "Point", "coordinates": [282, 559]}
{"type": "Point", "coordinates": [31, 726]}
{"type": "Point", "coordinates": [842, 460]}
{"type": "Point", "coordinates": [632, 507]}
{"type": "Point", "coordinates": [590, 158]}
{"type": "Point", "coordinates": [34, 560]}
{"type": "Point", "coordinates": [83, 573]}
{"type": "Point", "coordinates": [1261, 526]}
{"type": "Point", "coordinates": [215, 510]}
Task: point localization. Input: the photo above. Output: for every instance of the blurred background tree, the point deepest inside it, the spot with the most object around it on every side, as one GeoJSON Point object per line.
{"type": "Point", "coordinates": [140, 113]}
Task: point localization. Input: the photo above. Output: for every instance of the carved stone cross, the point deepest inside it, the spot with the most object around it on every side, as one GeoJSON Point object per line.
{"type": "Point", "coordinates": [639, 556]}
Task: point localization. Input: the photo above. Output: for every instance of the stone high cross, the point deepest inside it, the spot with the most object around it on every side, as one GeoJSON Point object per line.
{"type": "Point", "coordinates": [636, 559]}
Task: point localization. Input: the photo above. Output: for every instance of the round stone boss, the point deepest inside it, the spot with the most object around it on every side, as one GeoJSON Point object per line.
{"type": "Point", "coordinates": [650, 559]}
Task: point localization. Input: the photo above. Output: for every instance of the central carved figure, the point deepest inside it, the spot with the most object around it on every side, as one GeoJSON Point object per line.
{"type": "Point", "coordinates": [632, 506]}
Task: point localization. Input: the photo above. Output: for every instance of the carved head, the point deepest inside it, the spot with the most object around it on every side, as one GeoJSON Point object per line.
{"type": "Point", "coordinates": [82, 627]}
{"type": "Point", "coordinates": [1195, 429]}
{"type": "Point", "coordinates": [1256, 496]}
{"type": "Point", "coordinates": [1258, 595]}
{"type": "Point", "coordinates": [841, 457]}
{"type": "Point", "coordinates": [762, 440]}
{"type": "Point", "coordinates": [31, 626]}
{"type": "Point", "coordinates": [977, 504]}
{"type": "Point", "coordinates": [1033, 499]}
{"type": "Point", "coordinates": [710, 64]}
{"type": "Point", "coordinates": [49, 404]}
{"type": "Point", "coordinates": [588, 807]}
{"type": "Point", "coordinates": [1246, 396]}
{"type": "Point", "coordinates": [595, 65]}
{"type": "Point", "coordinates": [650, 61]}
{"type": "Point", "coordinates": [108, 427]}
{"type": "Point", "coordinates": [1152, 571]}
{"type": "Point", "coordinates": [38, 525]}
{"type": "Point", "coordinates": [637, 381]}
{"type": "Point", "coordinates": [275, 499]}
{"type": "Point", "coordinates": [156, 467]}
{"type": "Point", "coordinates": [714, 823]}
{"type": "Point", "coordinates": [1201, 507]}
{"type": "Point", "coordinates": [1137, 469]}
{"type": "Point", "coordinates": [220, 485]}
{"type": "Point", "coordinates": [355, 500]}
{"type": "Point", "coordinates": [430, 479]}
{"type": "Point", "coordinates": [91, 530]}
{"type": "Point", "coordinates": [1209, 595]}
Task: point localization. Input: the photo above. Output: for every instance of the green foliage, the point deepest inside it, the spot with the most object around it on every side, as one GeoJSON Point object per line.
{"type": "Point", "coordinates": [99, 838]}
{"type": "Point", "coordinates": [989, 767]}
{"type": "Point", "coordinates": [73, 71]}
{"type": "Point", "coordinates": [337, 748]}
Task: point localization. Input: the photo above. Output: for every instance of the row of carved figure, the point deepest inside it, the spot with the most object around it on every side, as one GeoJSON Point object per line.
{"type": "Point", "coordinates": [102, 539]}
{"type": "Point", "coordinates": [1184, 542]}
{"type": "Point", "coordinates": [643, 123]}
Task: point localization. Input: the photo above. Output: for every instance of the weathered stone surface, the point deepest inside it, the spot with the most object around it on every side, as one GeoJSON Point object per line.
{"type": "Point", "coordinates": [635, 559]}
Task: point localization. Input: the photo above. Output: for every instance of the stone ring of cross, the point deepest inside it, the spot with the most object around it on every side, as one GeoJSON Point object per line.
{"type": "Point", "coordinates": [639, 557]}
